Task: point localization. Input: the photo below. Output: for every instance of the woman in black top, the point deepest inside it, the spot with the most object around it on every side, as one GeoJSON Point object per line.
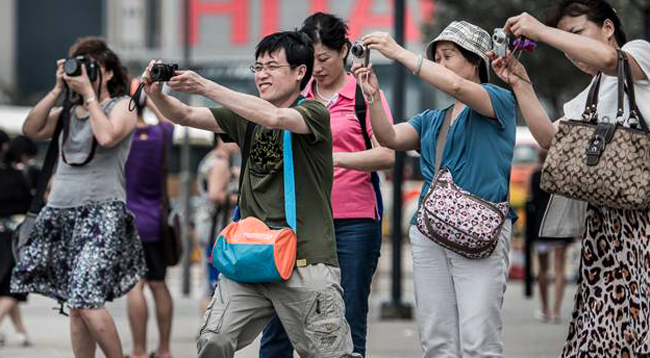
{"type": "Point", "coordinates": [15, 198]}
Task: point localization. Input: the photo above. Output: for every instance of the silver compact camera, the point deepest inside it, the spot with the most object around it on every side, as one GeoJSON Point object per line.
{"type": "Point", "coordinates": [362, 52]}
{"type": "Point", "coordinates": [500, 42]}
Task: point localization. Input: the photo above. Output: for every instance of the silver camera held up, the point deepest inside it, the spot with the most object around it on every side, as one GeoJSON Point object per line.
{"type": "Point", "coordinates": [500, 42]}
{"type": "Point", "coordinates": [360, 51]}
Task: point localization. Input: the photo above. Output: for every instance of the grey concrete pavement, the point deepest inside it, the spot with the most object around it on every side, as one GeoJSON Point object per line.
{"type": "Point", "coordinates": [523, 336]}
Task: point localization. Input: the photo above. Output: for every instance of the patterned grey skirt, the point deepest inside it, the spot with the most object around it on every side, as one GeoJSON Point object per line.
{"type": "Point", "coordinates": [611, 317]}
{"type": "Point", "coordinates": [83, 256]}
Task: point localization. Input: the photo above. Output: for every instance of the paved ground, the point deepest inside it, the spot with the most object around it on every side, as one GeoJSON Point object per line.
{"type": "Point", "coordinates": [523, 336]}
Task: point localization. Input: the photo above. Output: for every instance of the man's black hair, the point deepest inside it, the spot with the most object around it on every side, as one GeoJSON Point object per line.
{"type": "Point", "coordinates": [297, 47]}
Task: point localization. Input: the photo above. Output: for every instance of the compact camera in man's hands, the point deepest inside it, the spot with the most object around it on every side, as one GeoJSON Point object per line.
{"type": "Point", "coordinates": [72, 67]}
{"type": "Point", "coordinates": [500, 42]}
{"type": "Point", "coordinates": [360, 51]}
{"type": "Point", "coordinates": [163, 72]}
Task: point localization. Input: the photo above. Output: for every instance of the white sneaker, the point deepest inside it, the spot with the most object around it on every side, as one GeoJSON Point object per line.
{"type": "Point", "coordinates": [23, 340]}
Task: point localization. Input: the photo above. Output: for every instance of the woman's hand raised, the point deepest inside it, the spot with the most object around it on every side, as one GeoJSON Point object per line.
{"type": "Point", "coordinates": [509, 69]}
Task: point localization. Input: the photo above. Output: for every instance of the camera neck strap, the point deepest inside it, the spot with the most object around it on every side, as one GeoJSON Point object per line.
{"type": "Point", "coordinates": [69, 107]}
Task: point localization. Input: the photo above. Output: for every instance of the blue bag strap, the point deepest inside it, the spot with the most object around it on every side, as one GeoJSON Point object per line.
{"type": "Point", "coordinates": [289, 177]}
{"type": "Point", "coordinates": [289, 182]}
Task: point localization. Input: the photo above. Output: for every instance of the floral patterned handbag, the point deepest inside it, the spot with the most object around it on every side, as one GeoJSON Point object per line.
{"type": "Point", "coordinates": [459, 221]}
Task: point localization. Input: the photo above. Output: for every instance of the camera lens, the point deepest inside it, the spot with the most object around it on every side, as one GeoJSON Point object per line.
{"type": "Point", "coordinates": [72, 67]}
{"type": "Point", "coordinates": [358, 50]}
{"type": "Point", "coordinates": [162, 72]}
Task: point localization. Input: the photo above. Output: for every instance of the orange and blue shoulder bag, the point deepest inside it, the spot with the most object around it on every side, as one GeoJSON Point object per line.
{"type": "Point", "coordinates": [248, 250]}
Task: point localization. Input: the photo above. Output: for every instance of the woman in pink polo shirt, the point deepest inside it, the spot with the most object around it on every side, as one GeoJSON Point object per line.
{"type": "Point", "coordinates": [356, 201]}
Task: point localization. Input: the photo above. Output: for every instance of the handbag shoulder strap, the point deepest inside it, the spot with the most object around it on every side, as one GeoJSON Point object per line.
{"type": "Point", "coordinates": [164, 169]}
{"type": "Point", "coordinates": [627, 76]}
{"type": "Point", "coordinates": [590, 113]}
{"type": "Point", "coordinates": [50, 159]}
{"type": "Point", "coordinates": [442, 137]}
{"type": "Point", "coordinates": [288, 172]}
{"type": "Point", "coordinates": [289, 182]}
{"type": "Point", "coordinates": [361, 110]}
{"type": "Point", "coordinates": [245, 153]}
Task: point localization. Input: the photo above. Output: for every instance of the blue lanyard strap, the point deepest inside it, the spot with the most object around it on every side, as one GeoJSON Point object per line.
{"type": "Point", "coordinates": [289, 182]}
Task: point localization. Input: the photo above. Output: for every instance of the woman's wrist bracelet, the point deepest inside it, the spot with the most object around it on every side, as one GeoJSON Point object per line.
{"type": "Point", "coordinates": [416, 72]}
{"type": "Point", "coordinates": [89, 100]}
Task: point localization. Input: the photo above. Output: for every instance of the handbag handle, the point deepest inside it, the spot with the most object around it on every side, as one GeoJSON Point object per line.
{"type": "Point", "coordinates": [635, 113]}
{"type": "Point", "coordinates": [590, 113]}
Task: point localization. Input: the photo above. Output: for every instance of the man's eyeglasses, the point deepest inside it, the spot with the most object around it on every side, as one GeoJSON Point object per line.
{"type": "Point", "coordinates": [268, 68]}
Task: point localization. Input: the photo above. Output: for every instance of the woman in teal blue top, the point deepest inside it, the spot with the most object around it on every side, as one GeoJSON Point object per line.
{"type": "Point", "coordinates": [458, 299]}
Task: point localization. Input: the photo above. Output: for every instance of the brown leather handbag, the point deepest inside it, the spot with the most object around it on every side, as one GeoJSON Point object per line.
{"type": "Point", "coordinates": [599, 161]}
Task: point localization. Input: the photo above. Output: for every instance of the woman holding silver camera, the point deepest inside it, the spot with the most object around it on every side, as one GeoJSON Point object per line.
{"type": "Point", "coordinates": [356, 200]}
{"type": "Point", "coordinates": [612, 306]}
{"type": "Point", "coordinates": [84, 249]}
{"type": "Point", "coordinates": [458, 299]}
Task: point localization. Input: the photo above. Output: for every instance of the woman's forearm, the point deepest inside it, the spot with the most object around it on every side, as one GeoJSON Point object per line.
{"type": "Point", "coordinates": [463, 90]}
{"type": "Point", "coordinates": [536, 118]}
{"type": "Point", "coordinates": [583, 49]}
{"type": "Point", "coordinates": [382, 128]}
{"type": "Point", "coordinates": [35, 124]}
{"type": "Point", "coordinates": [370, 160]}
{"type": "Point", "coordinates": [106, 132]}
{"type": "Point", "coordinates": [432, 73]}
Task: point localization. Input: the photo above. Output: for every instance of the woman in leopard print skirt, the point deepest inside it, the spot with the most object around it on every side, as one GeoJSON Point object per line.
{"type": "Point", "coordinates": [611, 313]}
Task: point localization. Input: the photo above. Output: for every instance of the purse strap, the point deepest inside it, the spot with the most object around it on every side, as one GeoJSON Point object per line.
{"type": "Point", "coordinates": [164, 169]}
{"type": "Point", "coordinates": [361, 110]}
{"type": "Point", "coordinates": [442, 137]}
{"type": "Point", "coordinates": [626, 73]}
{"type": "Point", "coordinates": [289, 182]}
{"type": "Point", "coordinates": [245, 153]}
{"type": "Point", "coordinates": [625, 85]}
{"type": "Point", "coordinates": [50, 160]}
{"type": "Point", "coordinates": [590, 113]}
{"type": "Point", "coordinates": [288, 172]}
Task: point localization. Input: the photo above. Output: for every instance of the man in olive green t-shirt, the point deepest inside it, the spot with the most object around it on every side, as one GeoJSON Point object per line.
{"type": "Point", "coordinates": [309, 304]}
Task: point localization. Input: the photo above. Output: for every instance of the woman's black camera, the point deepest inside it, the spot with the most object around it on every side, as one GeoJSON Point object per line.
{"type": "Point", "coordinates": [162, 72]}
{"type": "Point", "coordinates": [72, 67]}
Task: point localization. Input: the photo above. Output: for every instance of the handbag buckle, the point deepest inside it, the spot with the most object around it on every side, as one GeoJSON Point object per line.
{"type": "Point", "coordinates": [602, 135]}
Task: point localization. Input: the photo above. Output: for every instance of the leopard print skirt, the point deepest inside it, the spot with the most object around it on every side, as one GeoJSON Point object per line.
{"type": "Point", "coordinates": [612, 305]}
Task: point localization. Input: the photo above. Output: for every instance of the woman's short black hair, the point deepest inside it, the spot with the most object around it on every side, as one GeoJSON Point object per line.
{"type": "Point", "coordinates": [97, 48]}
{"type": "Point", "coordinates": [297, 47]}
{"type": "Point", "coordinates": [328, 29]}
{"type": "Point", "coordinates": [596, 10]}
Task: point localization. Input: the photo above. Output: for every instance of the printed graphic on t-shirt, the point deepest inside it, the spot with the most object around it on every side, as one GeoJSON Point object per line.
{"type": "Point", "coordinates": [266, 152]}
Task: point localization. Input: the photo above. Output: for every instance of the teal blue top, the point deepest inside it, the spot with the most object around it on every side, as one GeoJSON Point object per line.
{"type": "Point", "coordinates": [478, 151]}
